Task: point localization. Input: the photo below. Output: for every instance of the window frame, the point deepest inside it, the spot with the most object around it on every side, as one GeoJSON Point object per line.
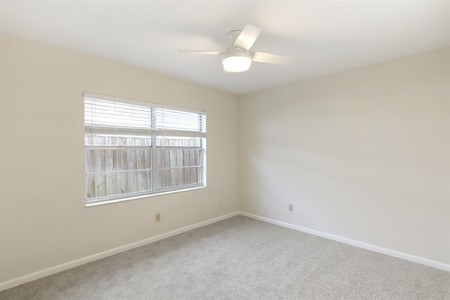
{"type": "Point", "coordinates": [154, 134]}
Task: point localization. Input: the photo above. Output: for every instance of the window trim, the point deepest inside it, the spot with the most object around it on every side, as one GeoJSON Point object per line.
{"type": "Point", "coordinates": [154, 133]}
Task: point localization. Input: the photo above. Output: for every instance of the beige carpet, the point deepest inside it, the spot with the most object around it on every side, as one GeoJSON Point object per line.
{"type": "Point", "coordinates": [241, 258]}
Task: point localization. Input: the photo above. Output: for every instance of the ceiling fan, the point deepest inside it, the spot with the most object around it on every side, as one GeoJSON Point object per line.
{"type": "Point", "coordinates": [238, 56]}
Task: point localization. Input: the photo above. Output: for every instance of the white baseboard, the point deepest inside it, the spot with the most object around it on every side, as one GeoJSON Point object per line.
{"type": "Point", "coordinates": [81, 261]}
{"type": "Point", "coordinates": [394, 253]}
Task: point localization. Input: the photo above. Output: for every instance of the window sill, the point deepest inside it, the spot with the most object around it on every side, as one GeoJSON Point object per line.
{"type": "Point", "coordinates": [142, 196]}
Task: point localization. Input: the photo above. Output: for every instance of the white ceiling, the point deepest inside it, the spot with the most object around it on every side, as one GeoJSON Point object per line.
{"type": "Point", "coordinates": [322, 37]}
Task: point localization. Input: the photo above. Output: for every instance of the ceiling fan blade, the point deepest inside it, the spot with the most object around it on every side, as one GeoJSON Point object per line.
{"type": "Point", "coordinates": [248, 36]}
{"type": "Point", "coordinates": [270, 58]}
{"type": "Point", "coordinates": [202, 52]}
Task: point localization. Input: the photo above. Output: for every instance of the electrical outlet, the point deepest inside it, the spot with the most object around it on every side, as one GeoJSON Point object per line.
{"type": "Point", "coordinates": [291, 207]}
{"type": "Point", "coordinates": [158, 217]}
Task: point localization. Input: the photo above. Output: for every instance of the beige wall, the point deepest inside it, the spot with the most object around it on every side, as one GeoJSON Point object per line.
{"type": "Point", "coordinates": [362, 154]}
{"type": "Point", "coordinates": [43, 219]}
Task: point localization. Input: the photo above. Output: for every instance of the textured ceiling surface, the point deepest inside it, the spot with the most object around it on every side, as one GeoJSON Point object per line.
{"type": "Point", "coordinates": [322, 37]}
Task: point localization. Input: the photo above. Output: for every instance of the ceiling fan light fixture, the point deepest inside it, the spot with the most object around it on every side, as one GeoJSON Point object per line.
{"type": "Point", "coordinates": [237, 63]}
{"type": "Point", "coordinates": [238, 55]}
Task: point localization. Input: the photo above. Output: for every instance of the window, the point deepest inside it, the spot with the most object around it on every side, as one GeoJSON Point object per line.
{"type": "Point", "coordinates": [135, 149]}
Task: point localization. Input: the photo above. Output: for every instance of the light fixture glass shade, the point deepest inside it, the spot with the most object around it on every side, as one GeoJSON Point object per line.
{"type": "Point", "coordinates": [237, 63]}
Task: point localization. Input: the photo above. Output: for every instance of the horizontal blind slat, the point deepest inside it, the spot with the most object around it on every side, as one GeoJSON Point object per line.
{"type": "Point", "coordinates": [118, 130]}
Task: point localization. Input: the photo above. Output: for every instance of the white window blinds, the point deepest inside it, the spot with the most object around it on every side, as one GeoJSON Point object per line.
{"type": "Point", "coordinates": [104, 116]}
{"type": "Point", "coordinates": [189, 123]}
